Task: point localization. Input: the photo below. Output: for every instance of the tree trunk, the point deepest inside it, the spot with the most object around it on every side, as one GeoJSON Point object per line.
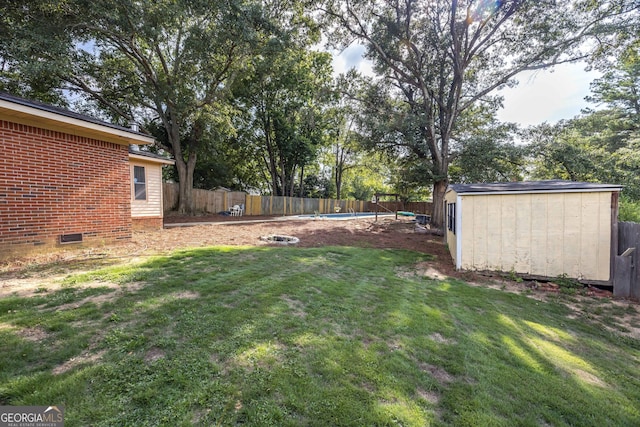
{"type": "Point", "coordinates": [437, 216]}
{"type": "Point", "coordinates": [267, 127]}
{"type": "Point", "coordinates": [339, 169]}
{"type": "Point", "coordinates": [184, 195]}
{"type": "Point", "coordinates": [302, 181]}
{"type": "Point", "coordinates": [185, 186]}
{"type": "Point", "coordinates": [292, 180]}
{"type": "Point", "coordinates": [185, 168]}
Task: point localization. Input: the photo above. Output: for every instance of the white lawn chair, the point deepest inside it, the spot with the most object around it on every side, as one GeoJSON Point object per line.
{"type": "Point", "coordinates": [237, 210]}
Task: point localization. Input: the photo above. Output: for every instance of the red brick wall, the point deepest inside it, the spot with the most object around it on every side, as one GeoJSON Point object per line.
{"type": "Point", "coordinates": [53, 183]}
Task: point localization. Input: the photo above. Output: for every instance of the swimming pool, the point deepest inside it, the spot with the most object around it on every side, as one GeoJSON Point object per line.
{"type": "Point", "coordinates": [344, 216]}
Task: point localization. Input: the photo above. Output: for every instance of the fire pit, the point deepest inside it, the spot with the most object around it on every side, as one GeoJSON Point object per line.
{"type": "Point", "coordinates": [280, 240]}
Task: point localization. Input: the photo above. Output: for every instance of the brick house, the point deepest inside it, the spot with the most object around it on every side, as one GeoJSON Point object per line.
{"type": "Point", "coordinates": [65, 178]}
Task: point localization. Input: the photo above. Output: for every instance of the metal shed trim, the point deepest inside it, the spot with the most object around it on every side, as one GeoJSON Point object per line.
{"type": "Point", "coordinates": [520, 187]}
{"type": "Point", "coordinates": [590, 190]}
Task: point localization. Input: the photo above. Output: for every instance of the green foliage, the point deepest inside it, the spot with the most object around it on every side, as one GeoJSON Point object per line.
{"type": "Point", "coordinates": [486, 152]}
{"type": "Point", "coordinates": [567, 284]}
{"type": "Point", "coordinates": [513, 276]}
{"type": "Point", "coordinates": [31, 47]}
{"type": "Point", "coordinates": [629, 210]}
{"type": "Point", "coordinates": [281, 95]}
{"type": "Point", "coordinates": [343, 150]}
{"type": "Point", "coordinates": [602, 145]}
{"type": "Point", "coordinates": [558, 154]}
{"type": "Point", "coordinates": [317, 187]}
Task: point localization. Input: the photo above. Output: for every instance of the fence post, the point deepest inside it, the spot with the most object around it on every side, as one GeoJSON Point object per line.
{"type": "Point", "coordinates": [624, 274]}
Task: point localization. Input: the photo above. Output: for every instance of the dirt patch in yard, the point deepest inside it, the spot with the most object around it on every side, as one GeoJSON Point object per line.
{"type": "Point", "coordinates": [84, 358]}
{"type": "Point", "coordinates": [385, 233]}
{"type": "Point", "coordinates": [43, 273]}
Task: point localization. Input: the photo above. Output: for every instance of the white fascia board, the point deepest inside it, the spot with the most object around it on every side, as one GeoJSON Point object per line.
{"type": "Point", "coordinates": [151, 159]}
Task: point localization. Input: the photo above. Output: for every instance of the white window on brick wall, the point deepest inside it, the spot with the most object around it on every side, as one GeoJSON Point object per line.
{"type": "Point", "coordinates": [139, 183]}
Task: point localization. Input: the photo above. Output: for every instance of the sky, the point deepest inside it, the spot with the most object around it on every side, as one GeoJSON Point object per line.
{"type": "Point", "coordinates": [548, 95]}
{"type": "Point", "coordinates": [543, 96]}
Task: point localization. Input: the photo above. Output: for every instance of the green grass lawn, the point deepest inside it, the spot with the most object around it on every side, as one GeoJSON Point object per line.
{"type": "Point", "coordinates": [311, 337]}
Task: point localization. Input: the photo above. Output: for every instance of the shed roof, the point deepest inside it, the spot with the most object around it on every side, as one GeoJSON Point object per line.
{"type": "Point", "coordinates": [549, 186]}
{"type": "Point", "coordinates": [34, 113]}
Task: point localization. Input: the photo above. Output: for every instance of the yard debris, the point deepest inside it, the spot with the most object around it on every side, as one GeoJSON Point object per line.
{"type": "Point", "coordinates": [421, 229]}
{"type": "Point", "coordinates": [280, 240]}
{"type": "Point", "coordinates": [544, 286]}
{"type": "Point", "coordinates": [592, 291]}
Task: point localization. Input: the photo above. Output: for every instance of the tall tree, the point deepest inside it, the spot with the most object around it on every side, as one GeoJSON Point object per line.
{"type": "Point", "coordinates": [619, 87]}
{"type": "Point", "coordinates": [441, 57]}
{"type": "Point", "coordinates": [169, 61]}
{"type": "Point", "coordinates": [282, 96]}
{"type": "Point", "coordinates": [601, 145]}
{"type": "Point", "coordinates": [26, 27]}
{"type": "Point", "coordinates": [342, 149]}
{"type": "Point", "coordinates": [489, 155]}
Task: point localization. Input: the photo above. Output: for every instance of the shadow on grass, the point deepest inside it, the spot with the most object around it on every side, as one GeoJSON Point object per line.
{"type": "Point", "coordinates": [290, 336]}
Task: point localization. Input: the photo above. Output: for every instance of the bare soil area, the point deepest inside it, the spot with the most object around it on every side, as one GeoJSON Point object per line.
{"type": "Point", "coordinates": [37, 273]}
{"type": "Point", "coordinates": [202, 231]}
{"type": "Point", "coordinates": [386, 232]}
{"type": "Point", "coordinates": [183, 232]}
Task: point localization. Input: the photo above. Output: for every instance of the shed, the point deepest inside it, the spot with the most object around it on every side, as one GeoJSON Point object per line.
{"type": "Point", "coordinates": [538, 228]}
{"type": "Point", "coordinates": [146, 188]}
{"type": "Point", "coordinates": [64, 178]}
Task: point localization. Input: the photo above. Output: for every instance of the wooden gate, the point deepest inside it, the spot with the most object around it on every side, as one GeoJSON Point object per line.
{"type": "Point", "coordinates": [626, 279]}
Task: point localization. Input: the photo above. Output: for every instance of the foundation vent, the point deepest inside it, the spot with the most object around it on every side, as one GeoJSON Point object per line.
{"type": "Point", "coordinates": [71, 238]}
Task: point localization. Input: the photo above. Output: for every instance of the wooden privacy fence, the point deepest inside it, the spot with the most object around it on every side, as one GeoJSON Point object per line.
{"type": "Point", "coordinates": [626, 280]}
{"type": "Point", "coordinates": [204, 200]}
{"type": "Point", "coordinates": [222, 200]}
{"type": "Point", "coordinates": [415, 207]}
{"type": "Point", "coordinates": [280, 205]}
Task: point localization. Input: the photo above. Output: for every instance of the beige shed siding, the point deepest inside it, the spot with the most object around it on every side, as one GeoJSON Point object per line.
{"type": "Point", "coordinates": [545, 234]}
{"type": "Point", "coordinates": [495, 239]}
{"type": "Point", "coordinates": [450, 197]}
{"type": "Point", "coordinates": [555, 240]}
{"type": "Point", "coordinates": [476, 222]}
{"type": "Point", "coordinates": [506, 227]}
{"type": "Point", "coordinates": [152, 207]}
{"type": "Point", "coordinates": [539, 236]}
